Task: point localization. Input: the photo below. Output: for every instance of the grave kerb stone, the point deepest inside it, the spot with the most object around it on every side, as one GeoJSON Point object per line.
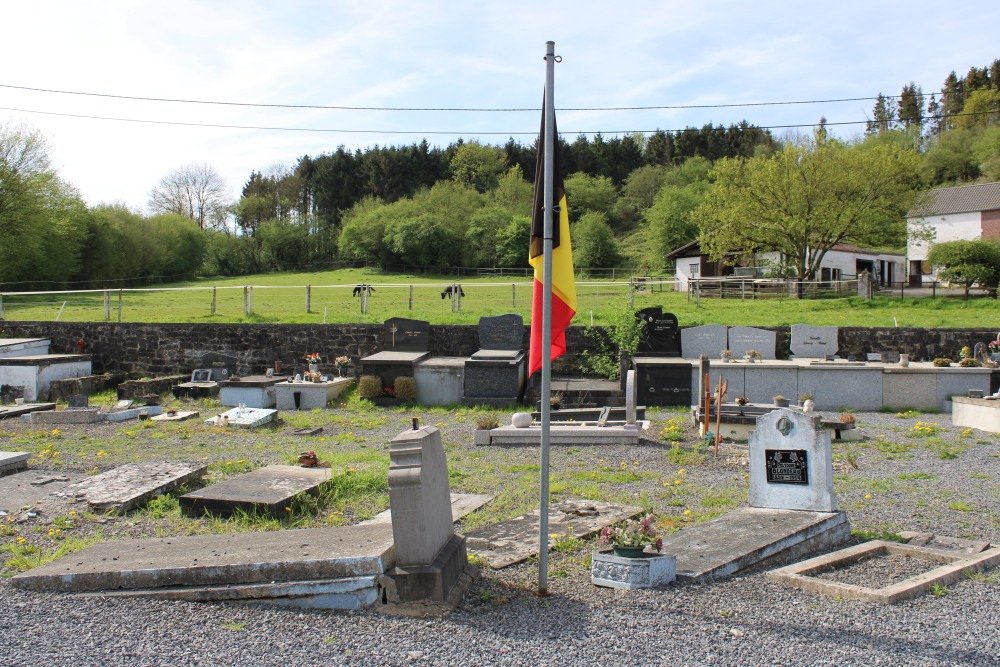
{"type": "Point", "coordinates": [791, 463]}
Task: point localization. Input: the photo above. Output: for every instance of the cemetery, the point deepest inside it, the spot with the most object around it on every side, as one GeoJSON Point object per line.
{"type": "Point", "coordinates": [404, 506]}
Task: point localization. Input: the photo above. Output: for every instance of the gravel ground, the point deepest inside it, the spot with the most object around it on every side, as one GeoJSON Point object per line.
{"type": "Point", "coordinates": [946, 481]}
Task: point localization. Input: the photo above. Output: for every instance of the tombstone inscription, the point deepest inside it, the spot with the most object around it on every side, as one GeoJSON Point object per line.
{"type": "Point", "coordinates": [786, 466]}
{"type": "Point", "coordinates": [660, 333]}
{"type": "Point", "coordinates": [813, 341]}
{"type": "Point", "coordinates": [743, 339]}
{"type": "Point", "coordinates": [710, 339]}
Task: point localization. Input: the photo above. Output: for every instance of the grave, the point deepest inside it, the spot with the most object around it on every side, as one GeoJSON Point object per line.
{"type": "Point", "coordinates": [267, 490]}
{"type": "Point", "coordinates": [12, 462]}
{"type": "Point", "coordinates": [332, 568]}
{"type": "Point", "coordinates": [130, 485]}
{"type": "Point", "coordinates": [663, 378]}
{"type": "Point", "coordinates": [461, 504]}
{"type": "Point", "coordinates": [404, 343]}
{"type": "Point", "coordinates": [203, 382]}
{"type": "Point", "coordinates": [80, 416]}
{"type": "Point", "coordinates": [813, 341]}
{"type": "Point", "coordinates": [738, 422]}
{"type": "Point", "coordinates": [23, 347]}
{"type": "Point", "coordinates": [292, 395]}
{"type": "Point", "coordinates": [710, 340]}
{"type": "Point", "coordinates": [243, 417]}
{"type": "Point", "coordinates": [928, 567]}
{"type": "Point", "coordinates": [515, 540]}
{"type": "Point", "coordinates": [176, 416]}
{"type": "Point", "coordinates": [439, 380]}
{"type": "Point", "coordinates": [252, 391]}
{"type": "Point", "coordinates": [793, 508]}
{"type": "Point", "coordinates": [35, 373]}
{"type": "Point", "coordinates": [142, 412]}
{"type": "Point", "coordinates": [30, 489]}
{"type": "Point", "coordinates": [152, 386]}
{"type": "Point", "coordinates": [743, 339]}
{"type": "Point", "coordinates": [20, 410]}
{"type": "Point", "coordinates": [978, 413]}
{"type": "Point", "coordinates": [496, 373]}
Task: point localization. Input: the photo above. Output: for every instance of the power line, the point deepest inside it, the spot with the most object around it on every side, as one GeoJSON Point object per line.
{"type": "Point", "coordinates": [458, 133]}
{"type": "Point", "coordinates": [448, 109]}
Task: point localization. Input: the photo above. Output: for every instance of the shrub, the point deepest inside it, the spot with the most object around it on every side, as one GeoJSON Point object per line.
{"type": "Point", "coordinates": [487, 421]}
{"type": "Point", "coordinates": [406, 389]}
{"type": "Point", "coordinates": [369, 386]}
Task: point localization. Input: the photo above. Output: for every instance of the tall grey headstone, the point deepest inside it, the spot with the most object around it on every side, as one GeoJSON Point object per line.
{"type": "Point", "coordinates": [501, 332]}
{"type": "Point", "coordinates": [742, 339]}
{"type": "Point", "coordinates": [710, 339]}
{"type": "Point", "coordinates": [418, 496]}
{"type": "Point", "coordinates": [791, 463]}
{"type": "Point", "coordinates": [813, 342]}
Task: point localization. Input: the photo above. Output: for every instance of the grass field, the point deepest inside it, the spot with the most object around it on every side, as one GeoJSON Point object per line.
{"type": "Point", "coordinates": [281, 297]}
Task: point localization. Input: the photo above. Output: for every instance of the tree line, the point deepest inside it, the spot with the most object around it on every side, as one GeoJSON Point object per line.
{"type": "Point", "coordinates": [632, 199]}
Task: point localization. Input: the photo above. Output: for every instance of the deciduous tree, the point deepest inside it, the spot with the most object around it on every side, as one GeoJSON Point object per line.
{"type": "Point", "coordinates": [196, 191]}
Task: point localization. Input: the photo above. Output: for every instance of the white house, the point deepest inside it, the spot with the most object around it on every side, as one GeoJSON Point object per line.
{"type": "Point", "coordinates": [963, 213]}
{"type": "Point", "coordinates": [842, 262]}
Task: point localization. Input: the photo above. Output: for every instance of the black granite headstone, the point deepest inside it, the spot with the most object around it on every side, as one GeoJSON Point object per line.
{"type": "Point", "coordinates": [501, 332]}
{"type": "Point", "coordinates": [405, 335]}
{"type": "Point", "coordinates": [660, 333]}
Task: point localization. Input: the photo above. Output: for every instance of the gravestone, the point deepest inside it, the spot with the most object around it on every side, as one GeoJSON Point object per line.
{"type": "Point", "coordinates": [742, 339]}
{"type": "Point", "coordinates": [269, 490]}
{"type": "Point", "coordinates": [430, 557]}
{"type": "Point", "coordinates": [791, 463]}
{"type": "Point", "coordinates": [404, 342]}
{"type": "Point", "coordinates": [201, 375]}
{"type": "Point", "coordinates": [77, 401]}
{"type": "Point", "coordinates": [660, 334]}
{"type": "Point", "coordinates": [813, 342]}
{"type": "Point", "coordinates": [496, 373]}
{"type": "Point", "coordinates": [710, 340]}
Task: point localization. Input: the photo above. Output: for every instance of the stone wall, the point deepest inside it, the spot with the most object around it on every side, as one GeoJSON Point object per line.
{"type": "Point", "coordinates": [168, 349]}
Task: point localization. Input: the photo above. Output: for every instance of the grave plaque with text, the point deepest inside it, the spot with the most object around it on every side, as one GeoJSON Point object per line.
{"type": "Point", "coordinates": [660, 333]}
{"type": "Point", "coordinates": [742, 339]}
{"type": "Point", "coordinates": [786, 466]}
{"type": "Point", "coordinates": [405, 335]}
{"type": "Point", "coordinates": [710, 339]}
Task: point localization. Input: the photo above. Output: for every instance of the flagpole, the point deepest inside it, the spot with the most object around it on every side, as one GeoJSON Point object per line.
{"type": "Point", "coordinates": [549, 148]}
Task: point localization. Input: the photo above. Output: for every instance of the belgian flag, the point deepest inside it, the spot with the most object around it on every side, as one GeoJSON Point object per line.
{"type": "Point", "coordinates": [563, 285]}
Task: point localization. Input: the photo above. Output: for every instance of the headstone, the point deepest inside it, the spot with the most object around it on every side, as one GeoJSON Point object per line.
{"type": "Point", "coordinates": [78, 401]}
{"type": "Point", "coordinates": [631, 398]}
{"type": "Point", "coordinates": [401, 334]}
{"type": "Point", "coordinates": [873, 356]}
{"type": "Point", "coordinates": [219, 372]}
{"type": "Point", "coordinates": [813, 342]}
{"type": "Point", "coordinates": [660, 334]}
{"type": "Point", "coordinates": [501, 332]}
{"type": "Point", "coordinates": [742, 339]}
{"type": "Point", "coordinates": [123, 404]}
{"type": "Point", "coordinates": [710, 339]}
{"type": "Point", "coordinates": [266, 490]}
{"type": "Point", "coordinates": [791, 463]}
{"type": "Point", "coordinates": [430, 557]}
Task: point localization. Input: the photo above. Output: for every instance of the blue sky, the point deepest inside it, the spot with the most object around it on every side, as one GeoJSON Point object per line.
{"type": "Point", "coordinates": [384, 53]}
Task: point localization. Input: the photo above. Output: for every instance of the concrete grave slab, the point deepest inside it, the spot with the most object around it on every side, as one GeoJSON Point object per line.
{"type": "Point", "coordinates": [748, 536]}
{"type": "Point", "coordinates": [246, 417]}
{"type": "Point", "coordinates": [951, 545]}
{"type": "Point", "coordinates": [132, 484]}
{"type": "Point", "coordinates": [461, 504]}
{"type": "Point", "coordinates": [941, 569]}
{"type": "Point", "coordinates": [12, 462]}
{"type": "Point", "coordinates": [208, 560]}
{"type": "Point", "coordinates": [80, 416]}
{"type": "Point", "coordinates": [23, 347]}
{"type": "Point", "coordinates": [742, 339]}
{"type": "Point", "coordinates": [515, 540]}
{"type": "Point", "coordinates": [308, 430]}
{"type": "Point", "coordinates": [9, 411]}
{"type": "Point", "coordinates": [813, 341]}
{"type": "Point", "coordinates": [440, 380]}
{"type": "Point", "coordinates": [176, 416]}
{"type": "Point", "coordinates": [32, 488]}
{"type": "Point", "coordinates": [145, 411]}
{"type": "Point", "coordinates": [266, 490]}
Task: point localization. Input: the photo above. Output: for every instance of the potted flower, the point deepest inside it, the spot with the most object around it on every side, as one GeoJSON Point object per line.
{"type": "Point", "coordinates": [780, 401]}
{"type": "Point", "coordinates": [630, 539]}
{"type": "Point", "coordinates": [742, 401]}
{"type": "Point", "coordinates": [340, 362]}
{"type": "Point", "coordinates": [313, 359]}
{"type": "Point", "coordinates": [751, 356]}
{"type": "Point", "coordinates": [727, 356]}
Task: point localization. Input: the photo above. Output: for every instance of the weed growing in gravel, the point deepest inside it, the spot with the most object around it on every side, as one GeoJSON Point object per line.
{"type": "Point", "coordinates": [937, 590]}
{"type": "Point", "coordinates": [907, 414]}
{"type": "Point", "coordinates": [923, 429]}
{"type": "Point", "coordinates": [679, 456]}
{"type": "Point", "coordinates": [982, 577]}
{"type": "Point", "coordinates": [945, 451]}
{"type": "Point", "coordinates": [673, 431]}
{"type": "Point", "coordinates": [234, 626]}
{"type": "Point", "coordinates": [960, 506]}
{"type": "Point", "coordinates": [884, 534]}
{"type": "Point", "coordinates": [916, 475]}
{"type": "Point", "coordinates": [24, 555]}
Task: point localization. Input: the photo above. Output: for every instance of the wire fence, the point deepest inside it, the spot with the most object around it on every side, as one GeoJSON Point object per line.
{"type": "Point", "coordinates": [367, 302]}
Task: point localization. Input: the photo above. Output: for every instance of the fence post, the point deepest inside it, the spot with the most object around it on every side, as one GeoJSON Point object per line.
{"type": "Point", "coordinates": [107, 305]}
{"type": "Point", "coordinates": [458, 298]}
{"type": "Point", "coordinates": [246, 300]}
{"type": "Point", "coordinates": [213, 299]}
{"type": "Point", "coordinates": [933, 289]}
{"type": "Point", "coordinates": [308, 298]}
{"type": "Point", "coordinates": [411, 297]}
{"type": "Point", "coordinates": [119, 305]}
{"type": "Point", "coordinates": [1, 306]}
{"type": "Point", "coordinates": [513, 297]}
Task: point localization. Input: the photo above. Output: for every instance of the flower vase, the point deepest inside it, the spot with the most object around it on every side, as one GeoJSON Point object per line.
{"type": "Point", "coordinates": [629, 552]}
{"type": "Point", "coordinates": [314, 368]}
{"type": "Point", "coordinates": [904, 360]}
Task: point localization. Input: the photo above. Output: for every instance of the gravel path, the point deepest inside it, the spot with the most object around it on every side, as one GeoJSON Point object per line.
{"type": "Point", "coordinates": [947, 482]}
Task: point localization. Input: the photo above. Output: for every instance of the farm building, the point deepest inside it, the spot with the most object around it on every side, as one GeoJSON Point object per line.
{"type": "Point", "coordinates": [842, 262]}
{"type": "Point", "coordinates": [963, 213]}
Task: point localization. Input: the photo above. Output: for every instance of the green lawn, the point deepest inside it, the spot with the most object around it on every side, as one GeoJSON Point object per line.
{"type": "Point", "coordinates": [281, 297]}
